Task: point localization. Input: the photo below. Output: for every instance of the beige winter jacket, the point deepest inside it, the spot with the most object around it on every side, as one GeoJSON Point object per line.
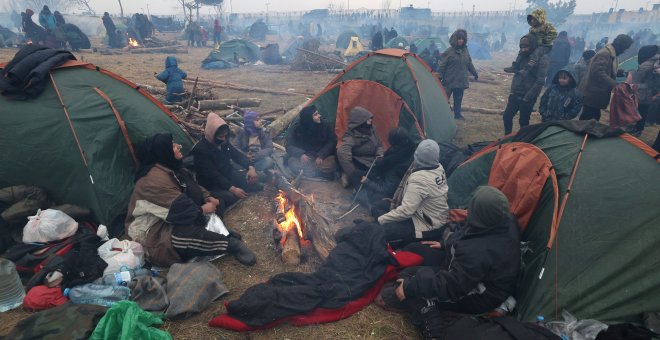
{"type": "Point", "coordinates": [424, 201]}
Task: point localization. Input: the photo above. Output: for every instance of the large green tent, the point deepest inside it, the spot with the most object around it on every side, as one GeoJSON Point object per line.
{"type": "Point", "coordinates": [397, 87]}
{"type": "Point", "coordinates": [75, 139]}
{"type": "Point", "coordinates": [243, 50]}
{"type": "Point", "coordinates": [587, 199]}
{"type": "Point", "coordinates": [424, 43]}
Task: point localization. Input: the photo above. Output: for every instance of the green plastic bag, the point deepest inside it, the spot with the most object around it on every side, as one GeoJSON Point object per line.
{"type": "Point", "coordinates": [126, 321]}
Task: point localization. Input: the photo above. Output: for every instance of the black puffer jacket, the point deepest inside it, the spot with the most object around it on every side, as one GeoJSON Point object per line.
{"type": "Point", "coordinates": [528, 84]}
{"type": "Point", "coordinates": [490, 257]}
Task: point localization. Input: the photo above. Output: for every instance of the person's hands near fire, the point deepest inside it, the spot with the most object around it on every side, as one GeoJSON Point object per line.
{"type": "Point", "coordinates": [238, 192]}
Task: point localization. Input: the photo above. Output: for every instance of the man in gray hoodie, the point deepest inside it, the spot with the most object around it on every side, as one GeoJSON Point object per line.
{"type": "Point", "coordinates": [424, 206]}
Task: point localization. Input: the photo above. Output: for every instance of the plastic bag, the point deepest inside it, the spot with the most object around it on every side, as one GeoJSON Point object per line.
{"type": "Point", "coordinates": [126, 321]}
{"type": "Point", "coordinates": [215, 225]}
{"type": "Point", "coordinates": [121, 254]}
{"type": "Point", "coordinates": [49, 225]}
{"type": "Point", "coordinates": [573, 329]}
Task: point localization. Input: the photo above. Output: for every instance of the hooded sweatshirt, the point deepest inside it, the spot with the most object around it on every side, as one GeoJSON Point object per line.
{"type": "Point", "coordinates": [173, 77]}
{"type": "Point", "coordinates": [455, 63]}
{"type": "Point", "coordinates": [561, 102]}
{"type": "Point", "coordinates": [360, 144]}
{"type": "Point", "coordinates": [213, 162]}
{"type": "Point", "coordinates": [425, 193]}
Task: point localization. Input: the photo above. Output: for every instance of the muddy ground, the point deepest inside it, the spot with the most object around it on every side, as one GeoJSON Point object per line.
{"type": "Point", "coordinates": [252, 217]}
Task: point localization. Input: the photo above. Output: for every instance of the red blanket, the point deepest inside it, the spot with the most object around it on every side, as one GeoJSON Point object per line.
{"type": "Point", "coordinates": [324, 315]}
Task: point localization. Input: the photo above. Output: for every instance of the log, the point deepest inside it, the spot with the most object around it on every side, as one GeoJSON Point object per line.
{"type": "Point", "coordinates": [481, 110]}
{"type": "Point", "coordinates": [165, 49]}
{"type": "Point", "coordinates": [246, 88]}
{"type": "Point", "coordinates": [192, 93]}
{"type": "Point", "coordinates": [281, 123]}
{"type": "Point", "coordinates": [316, 227]}
{"type": "Point", "coordinates": [153, 89]}
{"type": "Point", "coordinates": [225, 104]}
{"type": "Point", "coordinates": [291, 248]}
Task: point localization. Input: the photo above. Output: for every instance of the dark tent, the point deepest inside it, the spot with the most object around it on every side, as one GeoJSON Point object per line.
{"type": "Point", "coordinates": [344, 39]}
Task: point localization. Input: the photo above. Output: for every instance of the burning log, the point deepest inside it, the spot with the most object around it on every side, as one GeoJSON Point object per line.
{"type": "Point", "coordinates": [291, 248]}
{"type": "Point", "coordinates": [225, 104]}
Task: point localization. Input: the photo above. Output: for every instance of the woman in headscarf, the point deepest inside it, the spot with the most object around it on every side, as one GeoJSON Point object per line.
{"type": "Point", "coordinates": [454, 65]}
{"type": "Point", "coordinates": [255, 142]}
{"type": "Point", "coordinates": [387, 173]}
{"type": "Point", "coordinates": [166, 212]}
{"type": "Point", "coordinates": [310, 146]}
{"type": "Point", "coordinates": [360, 146]}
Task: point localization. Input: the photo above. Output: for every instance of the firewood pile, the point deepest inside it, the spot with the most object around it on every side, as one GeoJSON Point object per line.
{"type": "Point", "coordinates": [316, 61]}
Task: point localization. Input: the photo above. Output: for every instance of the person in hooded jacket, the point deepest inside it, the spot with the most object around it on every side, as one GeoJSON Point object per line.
{"type": "Point", "coordinates": [387, 173]}
{"type": "Point", "coordinates": [32, 31]}
{"type": "Point", "coordinates": [543, 33]}
{"type": "Point", "coordinates": [360, 146]}
{"type": "Point", "coordinates": [600, 78]}
{"type": "Point", "coordinates": [110, 29]}
{"type": "Point", "coordinates": [424, 207]}
{"type": "Point", "coordinates": [648, 92]}
{"type": "Point", "coordinates": [166, 211]}
{"type": "Point", "coordinates": [580, 68]}
{"type": "Point", "coordinates": [59, 18]}
{"type": "Point", "coordinates": [471, 271]}
{"type": "Point", "coordinates": [47, 19]}
{"type": "Point", "coordinates": [310, 146]}
{"type": "Point", "coordinates": [173, 77]}
{"type": "Point", "coordinates": [215, 161]}
{"type": "Point", "coordinates": [525, 86]}
{"type": "Point", "coordinates": [255, 142]}
{"type": "Point", "coordinates": [562, 100]}
{"type": "Point", "coordinates": [558, 57]}
{"type": "Point", "coordinates": [453, 68]}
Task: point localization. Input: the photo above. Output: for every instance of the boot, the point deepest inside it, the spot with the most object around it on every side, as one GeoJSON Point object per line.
{"type": "Point", "coordinates": [432, 325]}
{"type": "Point", "coordinates": [241, 252]}
{"type": "Point", "coordinates": [513, 68]}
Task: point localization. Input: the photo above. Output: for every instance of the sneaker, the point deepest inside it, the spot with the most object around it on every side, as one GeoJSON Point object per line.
{"type": "Point", "coordinates": [241, 252]}
{"type": "Point", "coordinates": [343, 180]}
{"type": "Point", "coordinates": [460, 117]}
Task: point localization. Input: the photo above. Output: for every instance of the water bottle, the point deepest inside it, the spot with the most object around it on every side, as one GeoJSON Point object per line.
{"type": "Point", "coordinates": [11, 288]}
{"type": "Point", "coordinates": [94, 294]}
{"type": "Point", "coordinates": [123, 277]}
{"type": "Point", "coordinates": [540, 321]}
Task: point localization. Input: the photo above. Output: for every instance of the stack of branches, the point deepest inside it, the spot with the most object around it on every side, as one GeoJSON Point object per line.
{"type": "Point", "coordinates": [306, 60]}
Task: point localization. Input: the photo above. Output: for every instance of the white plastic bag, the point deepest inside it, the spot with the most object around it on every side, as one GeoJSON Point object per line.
{"type": "Point", "coordinates": [49, 225]}
{"type": "Point", "coordinates": [121, 255]}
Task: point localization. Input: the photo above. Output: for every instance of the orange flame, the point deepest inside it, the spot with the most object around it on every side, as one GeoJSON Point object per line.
{"type": "Point", "coordinates": [291, 220]}
{"type": "Point", "coordinates": [133, 42]}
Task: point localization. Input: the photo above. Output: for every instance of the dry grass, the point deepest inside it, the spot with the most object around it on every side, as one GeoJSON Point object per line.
{"type": "Point", "coordinates": [252, 216]}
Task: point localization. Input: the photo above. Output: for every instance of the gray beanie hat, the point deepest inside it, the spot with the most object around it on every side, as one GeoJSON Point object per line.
{"type": "Point", "coordinates": [427, 154]}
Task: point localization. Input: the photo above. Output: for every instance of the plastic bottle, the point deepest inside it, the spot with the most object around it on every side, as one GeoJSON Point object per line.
{"type": "Point", "coordinates": [540, 321]}
{"type": "Point", "coordinates": [94, 294]}
{"type": "Point", "coordinates": [11, 288]}
{"type": "Point", "coordinates": [123, 277]}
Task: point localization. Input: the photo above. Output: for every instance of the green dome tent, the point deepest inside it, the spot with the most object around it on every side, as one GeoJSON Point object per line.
{"type": "Point", "coordinates": [394, 42]}
{"type": "Point", "coordinates": [426, 43]}
{"type": "Point", "coordinates": [245, 51]}
{"type": "Point", "coordinates": [398, 88]}
{"type": "Point", "coordinates": [344, 39]}
{"type": "Point", "coordinates": [586, 197]}
{"type": "Point", "coordinates": [76, 139]}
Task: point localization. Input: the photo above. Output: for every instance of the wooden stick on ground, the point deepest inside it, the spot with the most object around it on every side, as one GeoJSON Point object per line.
{"type": "Point", "coordinates": [281, 123]}
{"type": "Point", "coordinates": [225, 104]}
{"type": "Point", "coordinates": [482, 110]}
{"type": "Point", "coordinates": [246, 88]}
{"type": "Point", "coordinates": [192, 93]}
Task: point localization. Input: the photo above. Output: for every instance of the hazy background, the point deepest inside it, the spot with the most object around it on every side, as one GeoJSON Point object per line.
{"type": "Point", "coordinates": [172, 7]}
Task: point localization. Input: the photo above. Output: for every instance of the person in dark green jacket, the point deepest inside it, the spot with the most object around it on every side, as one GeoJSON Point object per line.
{"type": "Point", "coordinates": [454, 65]}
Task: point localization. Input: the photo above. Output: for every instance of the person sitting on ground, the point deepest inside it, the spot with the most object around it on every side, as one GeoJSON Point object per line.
{"type": "Point", "coordinates": [471, 271]}
{"type": "Point", "coordinates": [525, 86]}
{"type": "Point", "coordinates": [424, 206]}
{"type": "Point", "coordinates": [453, 68]}
{"type": "Point", "coordinates": [173, 77]}
{"type": "Point", "coordinates": [360, 146]}
{"type": "Point", "coordinates": [384, 178]}
{"type": "Point", "coordinates": [167, 207]}
{"type": "Point", "coordinates": [562, 100]}
{"type": "Point", "coordinates": [255, 142]}
{"type": "Point", "coordinates": [214, 155]}
{"type": "Point", "coordinates": [600, 79]}
{"type": "Point", "coordinates": [310, 146]}
{"type": "Point", "coordinates": [544, 35]}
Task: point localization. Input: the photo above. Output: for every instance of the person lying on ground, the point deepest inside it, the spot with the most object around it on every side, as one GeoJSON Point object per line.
{"type": "Point", "coordinates": [384, 178]}
{"type": "Point", "coordinates": [424, 206]}
{"type": "Point", "coordinates": [310, 146]}
{"type": "Point", "coordinates": [360, 146]}
{"type": "Point", "coordinates": [470, 271]}
{"type": "Point", "coordinates": [562, 100]}
{"type": "Point", "coordinates": [220, 167]}
{"type": "Point", "coordinates": [255, 142]}
{"type": "Point", "coordinates": [173, 77]}
{"type": "Point", "coordinates": [166, 211]}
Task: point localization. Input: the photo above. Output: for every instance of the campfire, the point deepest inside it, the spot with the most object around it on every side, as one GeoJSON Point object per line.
{"type": "Point", "coordinates": [289, 229]}
{"type": "Point", "coordinates": [298, 223]}
{"type": "Point", "coordinates": [132, 42]}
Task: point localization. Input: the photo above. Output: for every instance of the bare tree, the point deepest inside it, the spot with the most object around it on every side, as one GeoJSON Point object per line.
{"type": "Point", "coordinates": [121, 8]}
{"type": "Point", "coordinates": [85, 4]}
{"type": "Point", "coordinates": [386, 4]}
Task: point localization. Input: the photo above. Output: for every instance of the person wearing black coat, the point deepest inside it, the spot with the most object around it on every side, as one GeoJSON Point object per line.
{"type": "Point", "coordinates": [310, 146]}
{"type": "Point", "coordinates": [110, 29]}
{"type": "Point", "coordinates": [470, 271]}
{"type": "Point", "coordinates": [387, 173]}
